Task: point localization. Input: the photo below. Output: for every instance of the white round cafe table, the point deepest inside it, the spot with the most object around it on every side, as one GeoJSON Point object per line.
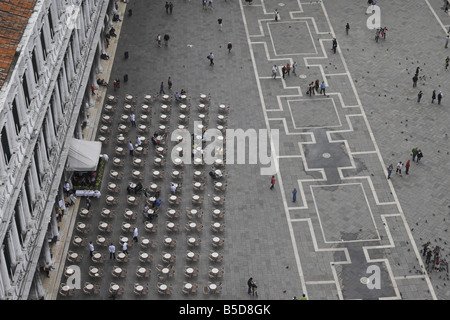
{"type": "Point", "coordinates": [218, 184]}
{"type": "Point", "coordinates": [175, 172]}
{"type": "Point", "coordinates": [189, 270]}
{"type": "Point", "coordinates": [179, 149]}
{"type": "Point", "coordinates": [149, 225]}
{"type": "Point", "coordinates": [104, 128]}
{"type": "Point", "coordinates": [124, 239]}
{"type": "Point", "coordinates": [106, 117]}
{"type": "Point", "coordinates": [141, 270]}
{"type": "Point", "coordinates": [142, 138]}
{"type": "Point", "coordinates": [85, 211]}
{"type": "Point", "coordinates": [152, 198]}
{"type": "Point", "coordinates": [220, 138]}
{"type": "Point", "coordinates": [145, 107]}
{"type": "Point", "coordinates": [101, 239]}
{"type": "Point", "coordinates": [132, 185]}
{"type": "Point", "coordinates": [112, 185]}
{"type": "Point", "coordinates": [115, 287]}
{"type": "Point", "coordinates": [165, 270]}
{"type": "Point", "coordinates": [110, 198]}
{"type": "Point", "coordinates": [142, 127]}
{"type": "Point", "coordinates": [214, 255]}
{"type": "Point", "coordinates": [148, 97]}
{"type": "Point", "coordinates": [216, 211]}
{"type": "Point", "coordinates": [97, 255]}
{"type": "Point", "coordinates": [144, 117]}
{"type": "Point", "coordinates": [203, 96]}
{"type": "Point", "coordinates": [144, 255]}
{"type": "Point", "coordinates": [177, 161]}
{"type": "Point", "coordinates": [216, 225]}
{"type": "Point", "coordinates": [212, 286]}
{"type": "Point", "coordinates": [162, 127]}
{"type": "Point", "coordinates": [164, 107]}
{"type": "Point", "coordinates": [182, 117]}
{"type": "Point", "coordinates": [201, 116]}
{"type": "Point", "coordinates": [139, 288]}
{"type": "Point", "coordinates": [171, 212]}
{"type": "Point", "coordinates": [131, 198]}
{"type": "Point", "coordinates": [183, 107]}
{"type": "Point", "coordinates": [160, 149]}
{"type": "Point", "coordinates": [191, 240]}
{"type": "Point", "coordinates": [145, 241]}
{"type": "Point", "coordinates": [220, 117]}
{"type": "Point", "coordinates": [188, 285]}
{"type": "Point", "coordinates": [200, 126]}
{"type": "Point", "coordinates": [103, 225]}
{"type": "Point", "coordinates": [195, 197]}
{"type": "Point", "coordinates": [198, 160]}
{"type": "Point", "coordinates": [118, 270]}
{"type": "Point", "coordinates": [222, 106]}
{"type": "Point", "coordinates": [101, 139]}
{"type": "Point", "coordinates": [78, 240]}
{"type": "Point", "coordinates": [218, 172]}
{"type": "Point", "coordinates": [167, 256]}
{"type": "Point", "coordinates": [114, 173]}
{"type": "Point", "coordinates": [74, 255]}
{"type": "Point", "coordinates": [201, 106]}
{"type": "Point", "coordinates": [192, 224]}
{"type": "Point", "coordinates": [163, 117]}
{"type": "Point", "coordinates": [119, 149]}
{"type": "Point", "coordinates": [170, 225]}
{"type": "Point", "coordinates": [215, 270]}
{"type": "Point", "coordinates": [110, 97]}
{"type": "Point", "coordinates": [218, 161]}
{"type": "Point", "coordinates": [183, 96]}
{"type": "Point", "coordinates": [89, 286]}
{"type": "Point", "coordinates": [137, 161]}
{"type": "Point", "coordinates": [158, 160]}
{"type": "Point", "coordinates": [173, 198]}
{"type": "Point", "coordinates": [136, 172]}
{"type": "Point", "coordinates": [128, 213]}
{"type": "Point", "coordinates": [163, 287]}
{"type": "Point", "coordinates": [153, 186]}
{"type": "Point", "coordinates": [190, 254]}
{"type": "Point", "coordinates": [124, 117]}
{"type": "Point", "coordinates": [70, 271]}
{"type": "Point", "coordinates": [121, 255]}
{"type": "Point", "coordinates": [94, 270]}
{"type": "Point", "coordinates": [129, 97]}
{"type": "Point", "coordinates": [216, 239]}
{"type": "Point", "coordinates": [181, 127]}
{"type": "Point", "coordinates": [216, 198]}
{"type": "Point", "coordinates": [165, 96]}
{"type": "Point", "coordinates": [197, 184]}
{"type": "Point", "coordinates": [139, 149]}
{"type": "Point", "coordinates": [81, 225]}
{"type": "Point", "coordinates": [168, 240]}
{"type": "Point", "coordinates": [197, 173]}
{"type": "Point", "coordinates": [127, 107]}
{"type": "Point", "coordinates": [194, 211]}
{"type": "Point", "coordinates": [121, 138]}
{"type": "Point", "coordinates": [219, 127]}
{"type": "Point", "coordinates": [66, 288]}
{"type": "Point", "coordinates": [106, 211]}
{"type": "Point", "coordinates": [126, 225]}
{"type": "Point", "coordinates": [117, 160]}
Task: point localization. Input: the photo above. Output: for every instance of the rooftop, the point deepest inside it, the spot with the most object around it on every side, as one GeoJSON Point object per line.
{"type": "Point", "coordinates": [14, 16]}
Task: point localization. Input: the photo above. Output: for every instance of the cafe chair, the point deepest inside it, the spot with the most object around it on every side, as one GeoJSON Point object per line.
{"type": "Point", "coordinates": [206, 290]}
{"type": "Point", "coordinates": [192, 256]}
{"type": "Point", "coordinates": [219, 228]}
{"type": "Point", "coordinates": [95, 272]}
{"type": "Point", "coordinates": [147, 243]}
{"type": "Point", "coordinates": [115, 175]}
{"type": "Point", "coordinates": [112, 187]}
{"type": "Point", "coordinates": [102, 241]}
{"type": "Point", "coordinates": [172, 227]}
{"type": "Point", "coordinates": [140, 290]}
{"type": "Point", "coordinates": [150, 227]}
{"type": "Point", "coordinates": [145, 257]}
{"type": "Point", "coordinates": [107, 213]}
{"type": "Point", "coordinates": [103, 139]}
{"type": "Point", "coordinates": [197, 215]}
{"type": "Point", "coordinates": [78, 241]}
{"type": "Point", "coordinates": [142, 272]}
{"type": "Point", "coordinates": [157, 174]}
{"type": "Point", "coordinates": [110, 200]}
{"type": "Point", "coordinates": [172, 213]}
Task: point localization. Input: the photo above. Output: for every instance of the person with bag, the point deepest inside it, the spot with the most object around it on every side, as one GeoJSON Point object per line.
{"type": "Point", "coordinates": [277, 15]}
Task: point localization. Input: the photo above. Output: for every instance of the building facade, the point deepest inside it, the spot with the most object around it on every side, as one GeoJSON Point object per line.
{"type": "Point", "coordinates": [53, 58]}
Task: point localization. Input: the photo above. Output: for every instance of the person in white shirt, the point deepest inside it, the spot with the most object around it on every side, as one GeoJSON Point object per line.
{"type": "Point", "coordinates": [399, 168]}
{"type": "Point", "coordinates": [125, 247]}
{"type": "Point", "coordinates": [91, 248]}
{"type": "Point", "coordinates": [173, 188]}
{"type": "Point", "coordinates": [67, 187]}
{"type": "Point", "coordinates": [133, 120]}
{"type": "Point", "coordinates": [112, 251]}
{"type": "Point", "coordinates": [135, 234]}
{"type": "Point", "coordinates": [138, 141]}
{"type": "Point", "coordinates": [274, 72]}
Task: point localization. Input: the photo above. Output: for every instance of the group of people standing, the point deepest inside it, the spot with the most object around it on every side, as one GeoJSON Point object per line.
{"type": "Point", "coordinates": [417, 155]}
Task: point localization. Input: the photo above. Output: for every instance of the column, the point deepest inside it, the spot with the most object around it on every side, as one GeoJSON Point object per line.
{"type": "Point", "coordinates": [2, 289]}
{"type": "Point", "coordinates": [15, 240]}
{"type": "Point", "coordinates": [99, 51]}
{"type": "Point", "coordinates": [57, 108]}
{"type": "Point", "coordinates": [76, 47]}
{"type": "Point", "coordinates": [3, 175]}
{"type": "Point", "coordinates": [46, 251]}
{"type": "Point", "coordinates": [26, 208]}
{"type": "Point", "coordinates": [54, 225]}
{"type": "Point", "coordinates": [42, 153]}
{"type": "Point", "coordinates": [37, 283]}
{"type": "Point", "coordinates": [51, 126]}
{"type": "Point", "coordinates": [34, 180]}
{"type": "Point", "coordinates": [4, 272]}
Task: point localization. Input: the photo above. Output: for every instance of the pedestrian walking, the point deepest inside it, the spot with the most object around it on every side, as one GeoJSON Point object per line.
{"type": "Point", "coordinates": [446, 62]}
{"type": "Point", "coordinates": [88, 203]}
{"type": "Point", "coordinates": [210, 4]}
{"type": "Point", "coordinates": [414, 151]}
{"type": "Point", "coordinates": [220, 23]}
{"type": "Point", "coordinates": [425, 248]}
{"type": "Point", "coordinates": [322, 88]}
{"type": "Point", "coordinates": [250, 284]}
{"type": "Point", "coordinates": [204, 4]}
{"type": "Point", "coordinates": [317, 86]}
{"type": "Point", "coordinates": [211, 59]}
{"type": "Point", "coordinates": [169, 83]}
{"type": "Point", "coordinates": [414, 79]}
{"type": "Point", "coordinates": [161, 88]}
{"type": "Point", "coordinates": [419, 155]}
{"type": "Point", "coordinates": [230, 46]}
{"type": "Point", "coordinates": [311, 88]}
{"type": "Point", "coordinates": [138, 141]}
{"type": "Point", "coordinates": [440, 95]}
{"type": "Point", "coordinates": [407, 165]}
{"type": "Point", "coordinates": [72, 199]}
{"type": "Point", "coordinates": [166, 39]}
{"type": "Point", "coordinates": [303, 297]}
{"type": "Point", "coordinates": [334, 45]}
{"type": "Point", "coordinates": [125, 247]}
{"type": "Point", "coordinates": [93, 89]}
{"type": "Point", "coordinates": [389, 169]}
{"type": "Point", "coordinates": [294, 67]}
{"type": "Point", "coordinates": [447, 38]}
{"type": "Point", "coordinates": [384, 33]}
{"type": "Point", "coordinates": [272, 182]}
{"type": "Point", "coordinates": [288, 69]}
{"type": "Point", "coordinates": [91, 249]}
{"type": "Point", "coordinates": [135, 234]}
{"type": "Point", "coordinates": [112, 251]}
{"type": "Point", "coordinates": [417, 71]}
{"type": "Point", "coordinates": [170, 7]}
{"type": "Point", "coordinates": [347, 27]}
{"type": "Point", "coordinates": [433, 97]}
{"type": "Point", "coordinates": [158, 40]}
{"type": "Point", "coordinates": [294, 195]}
{"type": "Point", "coordinates": [428, 257]}
{"type": "Point", "coordinates": [167, 7]}
{"type": "Point", "coordinates": [283, 71]}
{"type": "Point", "coordinates": [277, 15]}
{"type": "Point", "coordinates": [377, 35]}
{"type": "Point", "coordinates": [130, 146]}
{"type": "Point", "coordinates": [115, 84]}
{"type": "Point", "coordinates": [419, 96]}
{"type": "Point", "coordinates": [274, 71]}
{"type": "Point", "coordinates": [133, 119]}
{"type": "Point", "coordinates": [254, 289]}
{"type": "Point", "coordinates": [399, 168]}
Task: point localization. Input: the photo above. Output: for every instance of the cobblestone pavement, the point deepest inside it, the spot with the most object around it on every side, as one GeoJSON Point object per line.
{"type": "Point", "coordinates": [350, 227]}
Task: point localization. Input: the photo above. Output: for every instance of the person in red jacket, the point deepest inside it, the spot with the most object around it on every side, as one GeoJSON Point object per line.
{"type": "Point", "coordinates": [272, 182]}
{"type": "Point", "coordinates": [407, 165]}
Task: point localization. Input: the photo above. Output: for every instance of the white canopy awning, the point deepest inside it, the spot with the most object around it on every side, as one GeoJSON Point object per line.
{"type": "Point", "coordinates": [83, 155]}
